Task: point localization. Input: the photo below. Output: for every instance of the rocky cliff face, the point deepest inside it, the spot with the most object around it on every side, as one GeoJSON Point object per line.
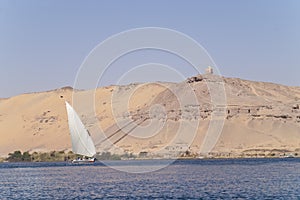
{"type": "Point", "coordinates": [206, 114]}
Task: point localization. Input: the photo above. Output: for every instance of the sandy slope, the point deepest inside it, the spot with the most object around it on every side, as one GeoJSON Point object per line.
{"type": "Point", "coordinates": [158, 118]}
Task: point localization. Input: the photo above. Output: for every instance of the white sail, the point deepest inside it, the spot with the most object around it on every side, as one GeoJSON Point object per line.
{"type": "Point", "coordinates": [82, 142]}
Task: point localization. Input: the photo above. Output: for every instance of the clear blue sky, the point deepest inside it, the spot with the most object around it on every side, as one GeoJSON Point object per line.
{"type": "Point", "coordinates": [43, 43]}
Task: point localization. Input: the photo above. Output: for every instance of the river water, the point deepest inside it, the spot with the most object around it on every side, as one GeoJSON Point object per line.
{"type": "Point", "coordinates": [183, 179]}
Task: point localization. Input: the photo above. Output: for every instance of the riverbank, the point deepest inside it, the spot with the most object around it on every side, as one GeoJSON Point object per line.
{"type": "Point", "coordinates": [52, 156]}
{"type": "Point", "coordinates": [60, 156]}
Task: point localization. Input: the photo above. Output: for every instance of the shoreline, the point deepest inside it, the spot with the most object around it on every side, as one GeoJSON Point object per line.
{"type": "Point", "coordinates": [68, 157]}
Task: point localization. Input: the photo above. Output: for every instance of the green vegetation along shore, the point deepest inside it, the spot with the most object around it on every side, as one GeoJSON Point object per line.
{"type": "Point", "coordinates": [53, 156]}
{"type": "Point", "coordinates": [61, 156]}
{"type": "Point", "coordinates": [58, 156]}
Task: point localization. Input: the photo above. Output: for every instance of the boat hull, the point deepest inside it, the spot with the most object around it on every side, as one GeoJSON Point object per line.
{"type": "Point", "coordinates": [83, 161]}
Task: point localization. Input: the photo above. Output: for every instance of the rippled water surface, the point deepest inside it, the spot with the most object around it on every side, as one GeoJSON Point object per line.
{"type": "Point", "coordinates": [184, 179]}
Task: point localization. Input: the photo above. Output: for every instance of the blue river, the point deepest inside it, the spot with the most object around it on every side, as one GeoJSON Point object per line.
{"type": "Point", "coordinates": [182, 179]}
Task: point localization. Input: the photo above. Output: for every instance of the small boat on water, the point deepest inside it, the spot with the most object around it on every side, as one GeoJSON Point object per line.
{"type": "Point", "coordinates": [83, 160]}
{"type": "Point", "coordinates": [82, 142]}
{"type": "Point", "coordinates": [289, 156]}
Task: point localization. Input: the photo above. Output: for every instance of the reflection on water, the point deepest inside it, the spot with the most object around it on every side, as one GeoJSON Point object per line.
{"type": "Point", "coordinates": [186, 179]}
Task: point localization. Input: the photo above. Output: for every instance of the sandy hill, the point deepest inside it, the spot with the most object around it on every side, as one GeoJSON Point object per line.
{"type": "Point", "coordinates": [163, 119]}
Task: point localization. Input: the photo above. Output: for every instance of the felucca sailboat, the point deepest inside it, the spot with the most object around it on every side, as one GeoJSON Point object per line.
{"type": "Point", "coordinates": [82, 142]}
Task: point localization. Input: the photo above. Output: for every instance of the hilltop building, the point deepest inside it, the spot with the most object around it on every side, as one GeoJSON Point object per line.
{"type": "Point", "coordinates": [209, 70]}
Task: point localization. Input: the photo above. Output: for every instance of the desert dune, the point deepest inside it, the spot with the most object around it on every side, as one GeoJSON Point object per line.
{"type": "Point", "coordinates": [161, 119]}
